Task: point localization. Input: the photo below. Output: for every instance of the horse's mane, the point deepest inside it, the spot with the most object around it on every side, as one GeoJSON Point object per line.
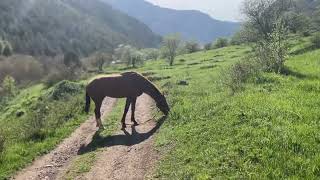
{"type": "Point", "coordinates": [103, 76]}
{"type": "Point", "coordinates": [151, 88]}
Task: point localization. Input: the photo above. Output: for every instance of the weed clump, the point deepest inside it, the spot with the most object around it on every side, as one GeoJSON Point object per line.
{"type": "Point", "coordinates": [238, 74]}
{"type": "Point", "coordinates": [64, 89]}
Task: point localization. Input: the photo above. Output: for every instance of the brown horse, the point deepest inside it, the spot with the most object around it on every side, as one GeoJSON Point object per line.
{"type": "Point", "coordinates": [128, 85]}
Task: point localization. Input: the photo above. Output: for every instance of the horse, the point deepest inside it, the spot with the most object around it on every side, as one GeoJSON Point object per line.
{"type": "Point", "coordinates": [128, 85]}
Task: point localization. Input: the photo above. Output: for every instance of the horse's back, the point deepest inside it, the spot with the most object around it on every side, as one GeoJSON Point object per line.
{"type": "Point", "coordinates": [116, 86]}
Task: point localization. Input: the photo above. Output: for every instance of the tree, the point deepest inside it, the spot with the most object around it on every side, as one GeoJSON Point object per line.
{"type": "Point", "coordinates": [220, 43]}
{"type": "Point", "coordinates": [129, 55]}
{"type": "Point", "coordinates": [208, 46]}
{"type": "Point", "coordinates": [72, 65]}
{"type": "Point", "coordinates": [151, 53]}
{"type": "Point", "coordinates": [262, 15]}
{"type": "Point", "coordinates": [297, 22]}
{"type": "Point", "coordinates": [170, 45]}
{"type": "Point", "coordinates": [271, 53]}
{"type": "Point", "coordinates": [238, 38]}
{"type": "Point", "coordinates": [101, 59]}
{"type": "Point", "coordinates": [71, 60]}
{"type": "Point", "coordinates": [136, 58]}
{"type": "Point", "coordinates": [7, 50]}
{"type": "Point", "coordinates": [268, 29]}
{"type": "Point", "coordinates": [192, 46]}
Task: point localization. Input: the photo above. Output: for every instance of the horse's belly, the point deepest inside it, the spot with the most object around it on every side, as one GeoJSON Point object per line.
{"type": "Point", "coordinates": [122, 91]}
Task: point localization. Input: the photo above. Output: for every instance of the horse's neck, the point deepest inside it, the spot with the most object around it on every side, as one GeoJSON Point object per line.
{"type": "Point", "coordinates": [152, 91]}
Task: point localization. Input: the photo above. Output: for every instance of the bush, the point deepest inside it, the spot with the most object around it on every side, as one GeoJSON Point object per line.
{"type": "Point", "coordinates": [316, 40]}
{"type": "Point", "coordinates": [7, 50]}
{"type": "Point", "coordinates": [208, 46]}
{"type": "Point", "coordinates": [238, 74]}
{"type": "Point", "coordinates": [191, 47]}
{"type": "Point", "coordinates": [220, 43]}
{"type": "Point", "coordinates": [271, 53]}
{"type": "Point", "coordinates": [8, 86]}
{"type": "Point", "coordinates": [43, 117]}
{"type": "Point", "coordinates": [64, 89]}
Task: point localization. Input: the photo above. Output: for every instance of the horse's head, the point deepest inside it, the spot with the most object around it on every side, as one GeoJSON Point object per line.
{"type": "Point", "coordinates": [163, 105]}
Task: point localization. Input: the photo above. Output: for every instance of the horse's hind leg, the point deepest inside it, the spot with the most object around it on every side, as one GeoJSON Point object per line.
{"type": "Point", "coordinates": [126, 109]}
{"type": "Point", "coordinates": [98, 114]}
{"type": "Point", "coordinates": [133, 109]}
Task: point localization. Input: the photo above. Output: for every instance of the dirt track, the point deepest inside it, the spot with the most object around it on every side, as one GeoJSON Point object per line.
{"type": "Point", "coordinates": [48, 166]}
{"type": "Point", "coordinates": [125, 155]}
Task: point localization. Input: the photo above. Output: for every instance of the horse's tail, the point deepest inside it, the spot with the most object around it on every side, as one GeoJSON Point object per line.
{"type": "Point", "coordinates": [88, 100]}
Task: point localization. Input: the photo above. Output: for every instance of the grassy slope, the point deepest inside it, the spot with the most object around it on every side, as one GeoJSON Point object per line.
{"type": "Point", "coordinates": [20, 149]}
{"type": "Point", "coordinates": [269, 130]}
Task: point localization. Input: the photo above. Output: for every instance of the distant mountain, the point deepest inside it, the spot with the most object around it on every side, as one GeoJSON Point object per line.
{"type": "Point", "coordinates": [192, 25]}
{"type": "Point", "coordinates": [48, 27]}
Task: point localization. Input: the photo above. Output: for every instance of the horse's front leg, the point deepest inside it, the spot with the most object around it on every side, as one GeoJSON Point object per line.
{"type": "Point", "coordinates": [98, 115]}
{"type": "Point", "coordinates": [126, 109]}
{"type": "Point", "coordinates": [133, 109]}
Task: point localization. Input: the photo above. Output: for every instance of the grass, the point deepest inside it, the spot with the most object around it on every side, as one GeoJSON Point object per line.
{"type": "Point", "coordinates": [43, 124]}
{"type": "Point", "coordinates": [269, 130]}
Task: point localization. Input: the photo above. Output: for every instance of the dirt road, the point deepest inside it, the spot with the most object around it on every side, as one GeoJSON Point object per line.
{"type": "Point", "coordinates": [127, 155]}
{"type": "Point", "coordinates": [48, 166]}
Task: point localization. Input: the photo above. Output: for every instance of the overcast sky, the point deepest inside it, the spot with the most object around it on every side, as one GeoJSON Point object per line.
{"type": "Point", "coordinates": [219, 9]}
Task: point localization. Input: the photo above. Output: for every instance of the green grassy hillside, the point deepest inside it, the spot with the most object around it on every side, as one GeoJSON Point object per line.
{"type": "Point", "coordinates": [267, 130]}
{"type": "Point", "coordinates": [35, 121]}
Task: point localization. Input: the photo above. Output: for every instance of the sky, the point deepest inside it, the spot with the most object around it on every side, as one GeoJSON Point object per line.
{"type": "Point", "coordinates": [219, 9]}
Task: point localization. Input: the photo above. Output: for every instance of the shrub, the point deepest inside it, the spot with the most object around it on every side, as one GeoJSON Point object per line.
{"type": "Point", "coordinates": [7, 50]}
{"type": "Point", "coordinates": [207, 46]}
{"type": "Point", "coordinates": [272, 52]}
{"type": "Point", "coordinates": [43, 117]}
{"type": "Point", "coordinates": [64, 89]}
{"type": "Point", "coordinates": [9, 87]}
{"type": "Point", "coordinates": [220, 43]}
{"type": "Point", "coordinates": [191, 47]}
{"type": "Point", "coordinates": [239, 73]}
{"type": "Point", "coordinates": [316, 40]}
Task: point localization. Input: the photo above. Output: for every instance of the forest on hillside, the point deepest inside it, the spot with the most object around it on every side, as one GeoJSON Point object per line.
{"type": "Point", "coordinates": [51, 27]}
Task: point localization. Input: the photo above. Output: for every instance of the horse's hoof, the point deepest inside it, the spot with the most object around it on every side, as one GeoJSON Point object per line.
{"type": "Point", "coordinates": [135, 124]}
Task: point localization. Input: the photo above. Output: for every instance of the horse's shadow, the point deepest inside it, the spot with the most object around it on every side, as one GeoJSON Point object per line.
{"type": "Point", "coordinates": [126, 139]}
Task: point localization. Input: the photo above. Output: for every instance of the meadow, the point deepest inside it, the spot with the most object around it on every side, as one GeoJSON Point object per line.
{"type": "Point", "coordinates": [266, 130]}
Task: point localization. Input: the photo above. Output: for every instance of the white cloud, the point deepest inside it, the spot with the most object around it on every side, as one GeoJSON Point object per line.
{"type": "Point", "coordinates": [219, 9]}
